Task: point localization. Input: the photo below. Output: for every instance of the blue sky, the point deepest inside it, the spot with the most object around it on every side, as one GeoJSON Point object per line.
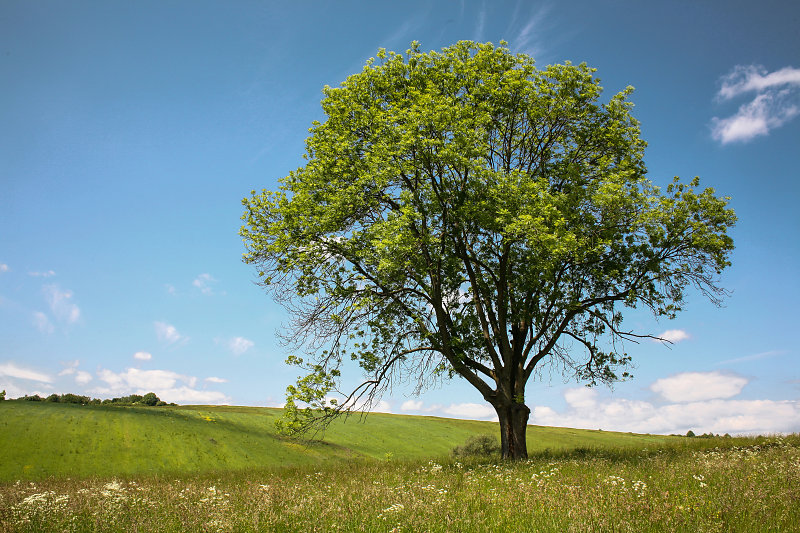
{"type": "Point", "coordinates": [130, 132]}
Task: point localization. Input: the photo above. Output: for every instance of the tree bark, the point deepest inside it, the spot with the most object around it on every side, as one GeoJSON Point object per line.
{"type": "Point", "coordinates": [513, 426]}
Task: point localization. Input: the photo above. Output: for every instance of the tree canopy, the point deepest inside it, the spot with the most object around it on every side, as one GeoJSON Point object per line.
{"type": "Point", "coordinates": [463, 213]}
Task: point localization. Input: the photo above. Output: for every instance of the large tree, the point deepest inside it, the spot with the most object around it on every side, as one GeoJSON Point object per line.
{"type": "Point", "coordinates": [463, 213]}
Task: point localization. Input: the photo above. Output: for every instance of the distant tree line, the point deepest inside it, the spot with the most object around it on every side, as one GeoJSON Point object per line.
{"type": "Point", "coordinates": [149, 399]}
{"type": "Point", "coordinates": [690, 433]}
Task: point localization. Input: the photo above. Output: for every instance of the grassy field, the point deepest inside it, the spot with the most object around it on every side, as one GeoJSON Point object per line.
{"type": "Point", "coordinates": [40, 440]}
{"type": "Point", "coordinates": [699, 485]}
{"type": "Point", "coordinates": [74, 468]}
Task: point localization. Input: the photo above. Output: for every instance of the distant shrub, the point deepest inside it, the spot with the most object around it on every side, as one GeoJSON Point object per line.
{"type": "Point", "coordinates": [2, 395]}
{"type": "Point", "coordinates": [34, 398]}
{"type": "Point", "coordinates": [75, 398]}
{"type": "Point", "coordinates": [52, 398]}
{"type": "Point", "coordinates": [481, 445]}
{"type": "Point", "coordinates": [690, 433]}
{"type": "Point", "coordinates": [150, 399]}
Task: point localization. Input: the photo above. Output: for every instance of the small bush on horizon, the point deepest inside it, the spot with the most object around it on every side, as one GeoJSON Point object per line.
{"type": "Point", "coordinates": [478, 445]}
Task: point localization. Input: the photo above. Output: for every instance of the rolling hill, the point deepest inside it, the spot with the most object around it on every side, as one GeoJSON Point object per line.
{"type": "Point", "coordinates": [40, 440]}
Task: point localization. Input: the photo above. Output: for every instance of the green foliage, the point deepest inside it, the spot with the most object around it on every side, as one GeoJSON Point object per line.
{"type": "Point", "coordinates": [150, 399]}
{"type": "Point", "coordinates": [690, 433]}
{"type": "Point", "coordinates": [2, 395]}
{"type": "Point", "coordinates": [478, 445]}
{"type": "Point", "coordinates": [465, 213]}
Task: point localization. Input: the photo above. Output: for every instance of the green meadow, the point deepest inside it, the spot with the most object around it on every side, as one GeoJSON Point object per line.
{"type": "Point", "coordinates": [201, 468]}
{"type": "Point", "coordinates": [40, 440]}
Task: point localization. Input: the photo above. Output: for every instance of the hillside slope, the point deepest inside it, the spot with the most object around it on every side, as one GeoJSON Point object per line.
{"type": "Point", "coordinates": [40, 440]}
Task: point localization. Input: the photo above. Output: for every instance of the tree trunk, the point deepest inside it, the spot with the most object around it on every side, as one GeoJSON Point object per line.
{"type": "Point", "coordinates": [513, 426]}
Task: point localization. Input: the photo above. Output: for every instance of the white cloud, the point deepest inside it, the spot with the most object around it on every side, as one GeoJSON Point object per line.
{"type": "Point", "coordinates": [155, 379]}
{"type": "Point", "coordinates": [193, 396]}
{"type": "Point", "coordinates": [412, 405]}
{"type": "Point", "coordinates": [70, 367]}
{"type": "Point", "coordinates": [167, 332]}
{"type": "Point", "coordinates": [698, 386]}
{"type": "Point", "coordinates": [203, 282]}
{"type": "Point", "coordinates": [82, 378]}
{"type": "Point", "coordinates": [46, 274]}
{"type": "Point", "coordinates": [239, 345]}
{"type": "Point", "coordinates": [61, 304]}
{"type": "Point", "coordinates": [473, 411]}
{"type": "Point", "coordinates": [715, 416]}
{"type": "Point", "coordinates": [42, 322]}
{"type": "Point", "coordinates": [143, 356]}
{"type": "Point", "coordinates": [4, 267]}
{"type": "Point", "coordinates": [481, 411]}
{"type": "Point", "coordinates": [11, 370]}
{"type": "Point", "coordinates": [213, 379]}
{"type": "Point", "coordinates": [673, 335]}
{"type": "Point", "coordinates": [775, 103]}
{"type": "Point", "coordinates": [169, 386]}
{"type": "Point", "coordinates": [751, 78]}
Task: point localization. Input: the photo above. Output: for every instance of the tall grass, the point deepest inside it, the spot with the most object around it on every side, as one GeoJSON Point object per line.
{"type": "Point", "coordinates": [694, 485]}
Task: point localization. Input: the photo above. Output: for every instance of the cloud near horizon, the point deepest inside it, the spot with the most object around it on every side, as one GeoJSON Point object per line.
{"type": "Point", "coordinates": [468, 410]}
{"type": "Point", "coordinates": [167, 385]}
{"type": "Point", "coordinates": [588, 411]}
{"type": "Point", "coordinates": [700, 401]}
{"type": "Point", "coordinates": [775, 103]}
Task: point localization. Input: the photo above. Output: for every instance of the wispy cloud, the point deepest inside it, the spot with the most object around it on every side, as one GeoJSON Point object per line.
{"type": "Point", "coordinates": [81, 377]}
{"type": "Point", "coordinates": [4, 268]}
{"type": "Point", "coordinates": [204, 282]}
{"type": "Point", "coordinates": [142, 356]}
{"type": "Point", "coordinates": [480, 23]}
{"type": "Point", "coordinates": [754, 357]}
{"type": "Point", "coordinates": [239, 345]}
{"type": "Point", "coordinates": [214, 379]}
{"type": "Point", "coordinates": [11, 370]}
{"type": "Point", "coordinates": [42, 323]}
{"type": "Point", "coordinates": [529, 38]}
{"type": "Point", "coordinates": [168, 333]}
{"type": "Point", "coordinates": [60, 302]}
{"type": "Point", "coordinates": [752, 78]}
{"type": "Point", "coordinates": [45, 274]}
{"type": "Point", "coordinates": [775, 102]}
